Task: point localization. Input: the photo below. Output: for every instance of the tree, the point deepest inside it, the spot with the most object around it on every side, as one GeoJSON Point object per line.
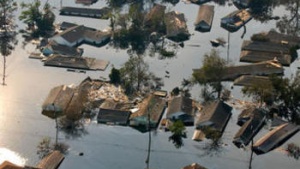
{"type": "Point", "coordinates": [293, 150]}
{"type": "Point", "coordinates": [261, 10]}
{"type": "Point", "coordinates": [135, 75]}
{"type": "Point", "coordinates": [282, 93]}
{"type": "Point", "coordinates": [115, 76]}
{"type": "Point", "coordinates": [39, 21]}
{"type": "Point", "coordinates": [8, 34]}
{"type": "Point", "coordinates": [289, 24]}
{"type": "Point", "coordinates": [211, 72]}
{"type": "Point", "coordinates": [178, 132]}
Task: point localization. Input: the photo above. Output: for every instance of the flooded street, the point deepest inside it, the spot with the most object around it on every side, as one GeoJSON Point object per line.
{"type": "Point", "coordinates": [22, 126]}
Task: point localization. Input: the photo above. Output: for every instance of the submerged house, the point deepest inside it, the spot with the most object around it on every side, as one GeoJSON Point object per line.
{"type": "Point", "coordinates": [86, 12]}
{"type": "Point", "coordinates": [250, 128]}
{"type": "Point", "coordinates": [257, 51]}
{"type": "Point", "coordinates": [54, 48]}
{"type": "Point", "coordinates": [57, 101]}
{"type": "Point", "coordinates": [235, 20]}
{"type": "Point", "coordinates": [204, 18]}
{"type": "Point", "coordinates": [153, 20]}
{"type": "Point", "coordinates": [52, 160]}
{"type": "Point", "coordinates": [79, 34]}
{"type": "Point", "coordinates": [261, 69]}
{"type": "Point", "coordinates": [275, 138]}
{"type": "Point", "coordinates": [84, 63]}
{"type": "Point", "coordinates": [176, 27]}
{"type": "Point", "coordinates": [150, 110]}
{"type": "Point", "coordinates": [183, 109]}
{"type": "Point", "coordinates": [112, 116]}
{"type": "Point", "coordinates": [215, 115]}
{"type": "Point", "coordinates": [249, 80]}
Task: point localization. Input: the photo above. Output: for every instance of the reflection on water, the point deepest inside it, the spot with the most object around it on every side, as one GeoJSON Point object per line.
{"type": "Point", "coordinates": [8, 155]}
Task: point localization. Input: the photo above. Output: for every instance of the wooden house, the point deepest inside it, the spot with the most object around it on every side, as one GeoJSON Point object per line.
{"type": "Point", "coordinates": [204, 18]}
{"type": "Point", "coordinates": [216, 115]}
{"type": "Point", "coordinates": [114, 117]}
{"type": "Point", "coordinates": [176, 26]}
{"type": "Point", "coordinates": [235, 20]}
{"type": "Point", "coordinates": [250, 128]}
{"type": "Point", "coordinates": [275, 138]}
{"type": "Point", "coordinates": [181, 108]}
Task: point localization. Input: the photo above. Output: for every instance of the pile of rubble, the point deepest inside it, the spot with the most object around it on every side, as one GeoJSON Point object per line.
{"type": "Point", "coordinates": [108, 91]}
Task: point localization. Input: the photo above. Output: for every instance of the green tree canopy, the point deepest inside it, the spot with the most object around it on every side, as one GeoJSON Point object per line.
{"type": "Point", "coordinates": [178, 132]}
{"type": "Point", "coordinates": [211, 72]}
{"type": "Point", "coordinates": [36, 16]}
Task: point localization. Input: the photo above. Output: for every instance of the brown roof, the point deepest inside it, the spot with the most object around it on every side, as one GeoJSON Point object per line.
{"type": "Point", "coordinates": [157, 12]}
{"type": "Point", "coordinates": [51, 161]}
{"type": "Point", "coordinates": [215, 114]}
{"type": "Point", "coordinates": [259, 56]}
{"type": "Point", "coordinates": [249, 80]}
{"type": "Point", "coordinates": [181, 104]}
{"type": "Point", "coordinates": [176, 26]}
{"type": "Point", "coordinates": [205, 14]}
{"type": "Point", "coordinates": [265, 47]}
{"type": "Point", "coordinates": [262, 68]}
{"type": "Point", "coordinates": [9, 165]}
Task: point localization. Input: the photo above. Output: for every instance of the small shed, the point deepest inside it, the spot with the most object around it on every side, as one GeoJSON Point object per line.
{"type": "Point", "coordinates": [204, 18]}
{"type": "Point", "coordinates": [181, 108]}
{"type": "Point", "coordinates": [216, 115]}
{"type": "Point", "coordinates": [114, 117]}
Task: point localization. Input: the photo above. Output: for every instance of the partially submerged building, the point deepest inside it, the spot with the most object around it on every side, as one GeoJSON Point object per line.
{"type": "Point", "coordinates": [215, 115]}
{"type": "Point", "coordinates": [261, 69]}
{"type": "Point", "coordinates": [153, 19]}
{"type": "Point", "coordinates": [183, 109]}
{"type": "Point", "coordinates": [102, 13]}
{"type": "Point", "coordinates": [51, 161]}
{"type": "Point", "coordinates": [250, 80]}
{"type": "Point", "coordinates": [250, 128]}
{"type": "Point", "coordinates": [241, 3]}
{"type": "Point", "coordinates": [204, 18]}
{"type": "Point", "coordinates": [113, 116]}
{"type": "Point", "coordinates": [176, 26]}
{"type": "Point", "coordinates": [86, 2]}
{"type": "Point", "coordinates": [275, 138]}
{"type": "Point", "coordinates": [235, 20]}
{"type": "Point", "coordinates": [257, 51]}
{"type": "Point", "coordinates": [84, 63]}
{"type": "Point", "coordinates": [150, 110]}
{"type": "Point", "coordinates": [79, 34]}
{"type": "Point", "coordinates": [55, 48]}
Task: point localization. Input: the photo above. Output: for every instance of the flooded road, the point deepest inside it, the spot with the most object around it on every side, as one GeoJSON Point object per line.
{"type": "Point", "coordinates": [22, 126]}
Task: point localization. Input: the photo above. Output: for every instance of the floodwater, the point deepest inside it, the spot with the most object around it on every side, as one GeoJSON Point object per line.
{"type": "Point", "coordinates": [22, 126]}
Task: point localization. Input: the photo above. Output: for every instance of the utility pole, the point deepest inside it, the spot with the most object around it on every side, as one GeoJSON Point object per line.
{"type": "Point", "coordinates": [149, 142]}
{"type": "Point", "coordinates": [56, 125]}
{"type": "Point", "coordinates": [228, 40]}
